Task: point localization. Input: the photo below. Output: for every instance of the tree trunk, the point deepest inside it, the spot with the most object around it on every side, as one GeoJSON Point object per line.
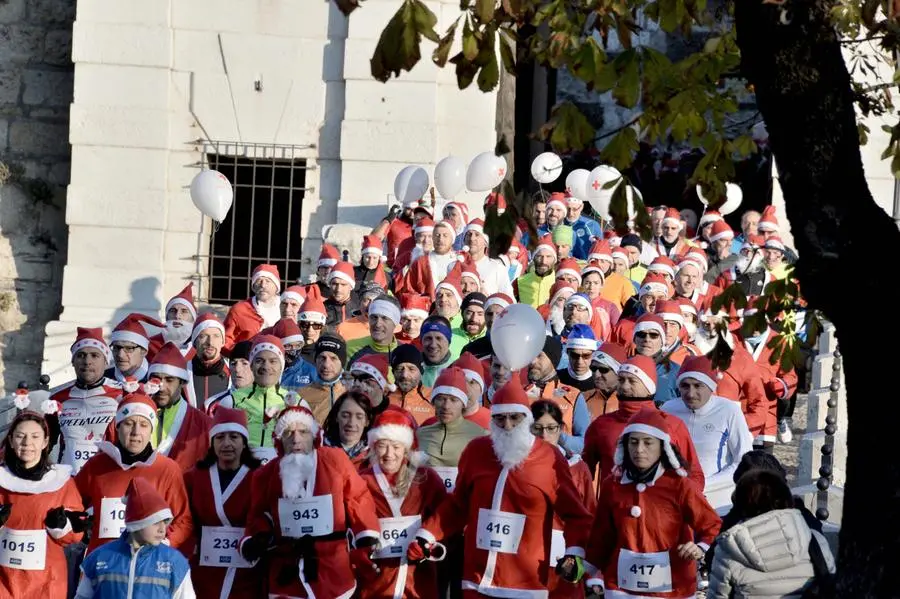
{"type": "Point", "coordinates": [792, 56]}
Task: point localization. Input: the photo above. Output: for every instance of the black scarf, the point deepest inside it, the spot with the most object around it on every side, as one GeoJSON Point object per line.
{"type": "Point", "coordinates": [35, 473]}
{"type": "Point", "coordinates": [642, 476]}
{"type": "Point", "coordinates": [129, 458]}
{"type": "Point", "coordinates": [201, 369]}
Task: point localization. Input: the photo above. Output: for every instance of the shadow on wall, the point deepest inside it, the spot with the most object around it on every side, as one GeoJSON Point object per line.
{"type": "Point", "coordinates": [144, 298]}
{"type": "Point", "coordinates": [33, 245]}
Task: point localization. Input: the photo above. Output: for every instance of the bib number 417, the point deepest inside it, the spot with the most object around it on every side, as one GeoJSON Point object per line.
{"type": "Point", "coordinates": [643, 570]}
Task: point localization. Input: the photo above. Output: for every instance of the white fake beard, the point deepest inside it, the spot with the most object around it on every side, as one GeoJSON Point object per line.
{"type": "Point", "coordinates": [177, 334]}
{"type": "Point", "coordinates": [295, 469]}
{"type": "Point", "coordinates": [746, 265]}
{"type": "Point", "coordinates": [556, 320]}
{"type": "Point", "coordinates": [691, 329]}
{"type": "Point", "coordinates": [270, 313]}
{"type": "Point", "coordinates": [416, 253]}
{"type": "Point", "coordinates": [512, 447]}
{"type": "Point", "coordinates": [705, 340]}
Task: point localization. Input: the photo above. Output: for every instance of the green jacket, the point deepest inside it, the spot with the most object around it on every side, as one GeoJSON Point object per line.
{"type": "Point", "coordinates": [358, 348]}
{"type": "Point", "coordinates": [444, 444]}
{"type": "Point", "coordinates": [431, 372]}
{"type": "Point", "coordinates": [461, 339]}
{"type": "Point", "coordinates": [534, 290]}
{"type": "Point", "coordinates": [257, 402]}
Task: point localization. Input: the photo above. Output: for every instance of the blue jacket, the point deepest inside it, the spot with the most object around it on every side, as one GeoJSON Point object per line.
{"type": "Point", "coordinates": [666, 378]}
{"type": "Point", "coordinates": [300, 374]}
{"type": "Point", "coordinates": [118, 571]}
{"type": "Point", "coordinates": [585, 229]}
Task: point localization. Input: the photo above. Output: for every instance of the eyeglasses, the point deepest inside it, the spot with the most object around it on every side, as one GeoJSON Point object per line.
{"type": "Point", "coordinates": [128, 349]}
{"type": "Point", "coordinates": [601, 369]}
{"type": "Point", "coordinates": [501, 418]}
{"type": "Point", "coordinates": [310, 325]}
{"type": "Point", "coordinates": [647, 335]}
{"type": "Point", "coordinates": [539, 430]}
{"type": "Point", "coordinates": [583, 357]}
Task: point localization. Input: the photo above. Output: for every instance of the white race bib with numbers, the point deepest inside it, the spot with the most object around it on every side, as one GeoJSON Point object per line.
{"type": "Point", "coordinates": [23, 549]}
{"type": "Point", "coordinates": [313, 516]}
{"type": "Point", "coordinates": [499, 531]}
{"type": "Point", "coordinates": [396, 535]}
{"type": "Point", "coordinates": [78, 453]}
{"type": "Point", "coordinates": [220, 547]}
{"type": "Point", "coordinates": [645, 572]}
{"type": "Point", "coordinates": [112, 517]}
{"type": "Point", "coordinates": [448, 475]}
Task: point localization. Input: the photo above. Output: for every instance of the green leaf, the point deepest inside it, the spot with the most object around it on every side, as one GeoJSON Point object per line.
{"type": "Point", "coordinates": [512, 7]}
{"type": "Point", "coordinates": [568, 129]}
{"type": "Point", "coordinates": [425, 21]}
{"type": "Point", "coordinates": [484, 10]}
{"type": "Point", "coordinates": [469, 43]}
{"type": "Point", "coordinates": [398, 46]}
{"type": "Point", "coordinates": [744, 145]}
{"type": "Point", "coordinates": [588, 63]}
{"type": "Point", "coordinates": [620, 150]}
{"type": "Point", "coordinates": [442, 52]}
{"type": "Point", "coordinates": [628, 86]}
{"type": "Point", "coordinates": [489, 76]}
{"type": "Point", "coordinates": [507, 55]}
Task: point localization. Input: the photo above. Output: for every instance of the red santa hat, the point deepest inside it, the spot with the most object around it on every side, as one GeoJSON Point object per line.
{"type": "Point", "coordinates": [687, 306]}
{"type": "Point", "coordinates": [753, 242]}
{"type": "Point", "coordinates": [663, 265]}
{"type": "Point", "coordinates": [699, 368]}
{"type": "Point", "coordinates": [643, 368]}
{"type": "Point", "coordinates": [672, 216]}
{"type": "Point", "coordinates": [774, 243]}
{"type": "Point", "coordinates": [376, 366]}
{"type": "Point", "coordinates": [170, 361]}
{"type": "Point", "coordinates": [207, 320]}
{"type": "Point", "coordinates": [328, 256]}
{"type": "Point", "coordinates": [611, 355]}
{"type": "Point", "coordinates": [579, 299]}
{"type": "Point", "coordinates": [621, 254]}
{"type": "Point", "coordinates": [425, 204]}
{"type": "Point", "coordinates": [710, 216]}
{"type": "Point", "coordinates": [453, 283]}
{"type": "Point", "coordinates": [451, 381]}
{"type": "Point", "coordinates": [559, 289]}
{"type": "Point", "coordinates": [648, 421]}
{"type": "Point", "coordinates": [287, 331]}
{"type": "Point", "coordinates": [699, 256]}
{"type": "Point", "coordinates": [144, 506]}
{"type": "Point", "coordinates": [690, 260]}
{"type": "Point", "coordinates": [496, 199]}
{"type": "Point", "coordinates": [600, 251]}
{"type": "Point", "coordinates": [557, 198]}
{"type": "Point", "coordinates": [184, 298]}
{"type": "Point", "coordinates": [655, 283]}
{"type": "Point", "coordinates": [569, 266]}
{"type": "Point", "coordinates": [670, 311]}
{"type": "Point", "coordinates": [296, 411]}
{"type": "Point", "coordinates": [270, 343]}
{"type": "Point", "coordinates": [468, 271]}
{"type": "Point", "coordinates": [414, 305]}
{"type": "Point", "coordinates": [344, 272]}
{"type": "Point", "coordinates": [372, 245]}
{"type": "Point", "coordinates": [463, 209]}
{"type": "Point", "coordinates": [91, 338]}
{"type": "Point", "coordinates": [425, 225]}
{"type": "Point", "coordinates": [137, 404]}
{"type": "Point", "coordinates": [720, 230]}
{"type": "Point", "coordinates": [294, 292]}
{"type": "Point", "coordinates": [131, 330]}
{"type": "Point", "coordinates": [498, 299]}
{"type": "Point", "coordinates": [393, 425]}
{"type": "Point", "coordinates": [228, 420]}
{"type": "Point", "coordinates": [269, 271]}
{"type": "Point", "coordinates": [545, 244]}
{"type": "Point", "coordinates": [472, 367]}
{"type": "Point", "coordinates": [511, 398]}
{"type": "Point", "coordinates": [593, 268]}
{"type": "Point", "coordinates": [650, 322]}
{"type": "Point", "coordinates": [313, 311]}
{"type": "Point", "coordinates": [476, 226]}
{"type": "Point", "coordinates": [768, 221]}
{"type": "Point", "coordinates": [449, 225]}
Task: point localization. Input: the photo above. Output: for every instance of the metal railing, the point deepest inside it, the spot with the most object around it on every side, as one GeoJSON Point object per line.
{"type": "Point", "coordinates": [826, 469]}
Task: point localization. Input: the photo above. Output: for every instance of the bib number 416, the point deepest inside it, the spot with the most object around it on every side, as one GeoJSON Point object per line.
{"type": "Point", "coordinates": [498, 529]}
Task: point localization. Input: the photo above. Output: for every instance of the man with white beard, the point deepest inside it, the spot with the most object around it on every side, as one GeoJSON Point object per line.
{"type": "Point", "coordinates": [428, 270]}
{"type": "Point", "coordinates": [509, 486]}
{"type": "Point", "coordinates": [248, 317]}
{"type": "Point", "coordinates": [750, 269]}
{"type": "Point", "coordinates": [180, 316]}
{"type": "Point", "coordinates": [302, 505]}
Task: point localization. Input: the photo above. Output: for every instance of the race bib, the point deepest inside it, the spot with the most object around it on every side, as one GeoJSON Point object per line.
{"type": "Point", "coordinates": [264, 454]}
{"type": "Point", "coordinates": [396, 535]}
{"type": "Point", "coordinates": [78, 453]}
{"type": "Point", "coordinates": [645, 572]}
{"type": "Point", "coordinates": [220, 547]}
{"type": "Point", "coordinates": [23, 549]}
{"type": "Point", "coordinates": [448, 475]}
{"type": "Point", "coordinates": [112, 517]}
{"type": "Point", "coordinates": [557, 546]}
{"type": "Point", "coordinates": [499, 531]}
{"type": "Point", "coordinates": [313, 516]}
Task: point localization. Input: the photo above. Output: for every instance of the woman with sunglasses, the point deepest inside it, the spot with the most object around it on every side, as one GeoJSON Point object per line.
{"type": "Point", "coordinates": [548, 425]}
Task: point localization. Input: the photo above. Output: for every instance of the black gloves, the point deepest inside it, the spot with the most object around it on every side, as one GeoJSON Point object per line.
{"type": "Point", "coordinates": [256, 545]}
{"type": "Point", "coordinates": [56, 518]}
{"type": "Point", "coordinates": [5, 509]}
{"type": "Point", "coordinates": [80, 520]}
{"type": "Point", "coordinates": [393, 213]}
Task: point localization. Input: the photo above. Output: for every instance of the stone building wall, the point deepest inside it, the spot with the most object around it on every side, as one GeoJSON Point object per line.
{"type": "Point", "coordinates": [36, 78]}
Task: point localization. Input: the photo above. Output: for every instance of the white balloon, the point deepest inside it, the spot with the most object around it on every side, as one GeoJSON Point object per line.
{"type": "Point", "coordinates": [212, 194]}
{"type": "Point", "coordinates": [576, 183]}
{"type": "Point", "coordinates": [599, 197]}
{"type": "Point", "coordinates": [546, 168]}
{"type": "Point", "coordinates": [485, 172]}
{"type": "Point", "coordinates": [410, 184]}
{"type": "Point", "coordinates": [517, 336]}
{"type": "Point", "coordinates": [450, 177]}
{"type": "Point", "coordinates": [733, 198]}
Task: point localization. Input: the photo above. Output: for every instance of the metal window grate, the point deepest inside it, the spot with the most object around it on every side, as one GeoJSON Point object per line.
{"type": "Point", "coordinates": [264, 224]}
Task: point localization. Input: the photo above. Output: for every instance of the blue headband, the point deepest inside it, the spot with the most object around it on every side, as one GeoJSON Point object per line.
{"type": "Point", "coordinates": [434, 326]}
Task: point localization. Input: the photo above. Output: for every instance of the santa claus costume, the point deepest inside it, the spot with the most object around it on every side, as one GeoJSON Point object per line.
{"type": "Point", "coordinates": [86, 409]}
{"type": "Point", "coordinates": [248, 317]}
{"type": "Point", "coordinates": [220, 512]}
{"type": "Point", "coordinates": [105, 477]}
{"type": "Point", "coordinates": [176, 331]}
{"type": "Point", "coordinates": [643, 517]}
{"type": "Point", "coordinates": [131, 330]}
{"type": "Point", "coordinates": [778, 383]}
{"type": "Point", "coordinates": [402, 501]}
{"type": "Point", "coordinates": [319, 495]}
{"type": "Point", "coordinates": [427, 271]}
{"type": "Point", "coordinates": [35, 527]}
{"type": "Point", "coordinates": [509, 488]}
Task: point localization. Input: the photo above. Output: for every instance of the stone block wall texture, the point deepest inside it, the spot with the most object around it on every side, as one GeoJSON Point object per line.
{"type": "Point", "coordinates": [36, 79]}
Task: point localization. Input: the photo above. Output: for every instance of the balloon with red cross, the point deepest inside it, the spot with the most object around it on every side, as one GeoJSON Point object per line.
{"type": "Point", "coordinates": [486, 171]}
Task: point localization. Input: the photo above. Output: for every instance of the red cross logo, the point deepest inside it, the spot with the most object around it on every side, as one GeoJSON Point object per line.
{"type": "Point", "coordinates": [596, 184]}
{"type": "Point", "coordinates": [501, 172]}
{"type": "Point", "coordinates": [568, 191]}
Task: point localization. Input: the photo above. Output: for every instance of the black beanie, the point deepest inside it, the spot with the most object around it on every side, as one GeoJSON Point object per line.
{"type": "Point", "coordinates": [407, 354]}
{"type": "Point", "coordinates": [241, 351]}
{"type": "Point", "coordinates": [335, 345]}
{"type": "Point", "coordinates": [553, 349]}
{"type": "Point", "coordinates": [475, 298]}
{"type": "Point", "coordinates": [632, 240]}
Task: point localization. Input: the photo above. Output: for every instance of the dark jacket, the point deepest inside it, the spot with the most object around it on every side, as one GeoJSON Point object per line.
{"type": "Point", "coordinates": [338, 313]}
